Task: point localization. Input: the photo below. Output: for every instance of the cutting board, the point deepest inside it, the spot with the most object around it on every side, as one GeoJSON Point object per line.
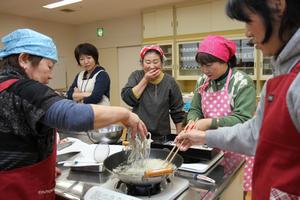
{"type": "Point", "coordinates": [201, 167]}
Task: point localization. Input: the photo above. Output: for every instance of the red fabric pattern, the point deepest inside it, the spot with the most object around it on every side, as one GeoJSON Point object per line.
{"type": "Point", "coordinates": [277, 160]}
{"type": "Point", "coordinates": [145, 49]}
{"type": "Point", "coordinates": [34, 182]}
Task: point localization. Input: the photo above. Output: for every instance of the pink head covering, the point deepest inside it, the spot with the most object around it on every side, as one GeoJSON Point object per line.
{"type": "Point", "coordinates": [218, 46]}
{"type": "Point", "coordinates": [145, 49]}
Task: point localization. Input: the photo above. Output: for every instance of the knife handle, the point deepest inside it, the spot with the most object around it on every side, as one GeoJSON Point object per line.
{"type": "Point", "coordinates": [125, 143]}
{"type": "Point", "coordinates": [205, 178]}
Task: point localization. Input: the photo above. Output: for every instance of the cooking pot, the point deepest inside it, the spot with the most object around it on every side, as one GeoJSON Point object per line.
{"type": "Point", "coordinates": [117, 159]}
{"type": "Point", "coordinates": [108, 135]}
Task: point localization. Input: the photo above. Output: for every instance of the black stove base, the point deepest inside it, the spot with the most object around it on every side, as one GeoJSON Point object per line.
{"type": "Point", "coordinates": [142, 190]}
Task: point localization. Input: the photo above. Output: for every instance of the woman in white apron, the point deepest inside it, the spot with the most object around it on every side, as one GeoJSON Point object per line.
{"type": "Point", "coordinates": [92, 85]}
{"type": "Point", "coordinates": [223, 95]}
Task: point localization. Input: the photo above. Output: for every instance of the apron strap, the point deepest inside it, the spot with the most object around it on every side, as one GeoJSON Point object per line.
{"type": "Point", "coordinates": [296, 68]}
{"type": "Point", "coordinates": [205, 84]}
{"type": "Point", "coordinates": [228, 79]}
{"type": "Point", "coordinates": [6, 84]}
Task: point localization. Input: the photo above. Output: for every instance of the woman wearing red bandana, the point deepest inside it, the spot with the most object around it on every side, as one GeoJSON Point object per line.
{"type": "Point", "coordinates": [153, 95]}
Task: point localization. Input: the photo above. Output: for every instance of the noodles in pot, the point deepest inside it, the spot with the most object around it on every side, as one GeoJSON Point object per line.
{"type": "Point", "coordinates": [138, 160]}
{"type": "Point", "coordinates": [139, 149]}
{"type": "Point", "coordinates": [138, 168]}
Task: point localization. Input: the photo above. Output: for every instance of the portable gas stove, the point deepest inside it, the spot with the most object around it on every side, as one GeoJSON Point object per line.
{"type": "Point", "coordinates": [169, 189]}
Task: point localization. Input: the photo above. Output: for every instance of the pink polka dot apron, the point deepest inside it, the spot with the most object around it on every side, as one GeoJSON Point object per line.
{"type": "Point", "coordinates": [217, 104]}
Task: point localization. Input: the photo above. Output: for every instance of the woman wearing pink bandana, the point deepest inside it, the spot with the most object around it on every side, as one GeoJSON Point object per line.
{"type": "Point", "coordinates": [223, 96]}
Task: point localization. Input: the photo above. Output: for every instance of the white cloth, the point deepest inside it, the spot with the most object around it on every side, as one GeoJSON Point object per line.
{"type": "Point", "coordinates": [88, 86]}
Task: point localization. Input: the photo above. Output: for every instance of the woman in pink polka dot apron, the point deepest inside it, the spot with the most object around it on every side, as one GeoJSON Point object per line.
{"type": "Point", "coordinates": [217, 104]}
{"type": "Point", "coordinates": [215, 55]}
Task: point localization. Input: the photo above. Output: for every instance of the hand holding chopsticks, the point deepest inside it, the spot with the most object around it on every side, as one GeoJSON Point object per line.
{"type": "Point", "coordinates": [190, 136]}
{"type": "Point", "coordinates": [169, 155]}
{"type": "Point", "coordinates": [194, 136]}
{"type": "Point", "coordinates": [191, 124]}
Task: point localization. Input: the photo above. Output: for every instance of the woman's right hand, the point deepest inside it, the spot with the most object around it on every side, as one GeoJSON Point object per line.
{"type": "Point", "coordinates": [186, 139]}
{"type": "Point", "coordinates": [136, 125]}
{"type": "Point", "coordinates": [152, 74]}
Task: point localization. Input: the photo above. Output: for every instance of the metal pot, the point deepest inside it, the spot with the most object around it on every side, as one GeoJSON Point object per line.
{"type": "Point", "coordinates": [113, 161]}
{"type": "Point", "coordinates": [108, 135]}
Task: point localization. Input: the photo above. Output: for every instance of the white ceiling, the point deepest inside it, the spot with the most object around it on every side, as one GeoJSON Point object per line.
{"type": "Point", "coordinates": [85, 12]}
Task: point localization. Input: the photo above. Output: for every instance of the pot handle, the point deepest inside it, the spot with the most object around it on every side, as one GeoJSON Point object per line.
{"type": "Point", "coordinates": [125, 143]}
{"type": "Point", "coordinates": [158, 172]}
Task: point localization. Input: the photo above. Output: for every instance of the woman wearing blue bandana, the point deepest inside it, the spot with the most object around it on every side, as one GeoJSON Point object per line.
{"type": "Point", "coordinates": [30, 111]}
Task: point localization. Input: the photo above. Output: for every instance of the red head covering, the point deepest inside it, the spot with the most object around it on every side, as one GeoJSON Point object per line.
{"type": "Point", "coordinates": [218, 46]}
{"type": "Point", "coordinates": [145, 49]}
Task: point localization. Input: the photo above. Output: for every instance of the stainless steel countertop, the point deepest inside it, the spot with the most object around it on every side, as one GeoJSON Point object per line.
{"type": "Point", "coordinates": [74, 184]}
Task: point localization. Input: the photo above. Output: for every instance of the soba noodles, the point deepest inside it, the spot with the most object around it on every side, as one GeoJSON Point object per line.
{"type": "Point", "coordinates": [139, 149]}
{"type": "Point", "coordinates": [138, 160]}
{"type": "Point", "coordinates": [138, 168]}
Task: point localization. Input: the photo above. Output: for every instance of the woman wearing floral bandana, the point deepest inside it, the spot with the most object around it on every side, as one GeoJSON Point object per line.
{"type": "Point", "coordinates": [153, 95]}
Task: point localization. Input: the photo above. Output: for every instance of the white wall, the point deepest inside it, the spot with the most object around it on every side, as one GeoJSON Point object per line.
{"type": "Point", "coordinates": [128, 58]}
{"type": "Point", "coordinates": [62, 34]}
{"type": "Point", "coordinates": [109, 59]}
{"type": "Point", "coordinates": [125, 31]}
{"type": "Point", "coordinates": [118, 33]}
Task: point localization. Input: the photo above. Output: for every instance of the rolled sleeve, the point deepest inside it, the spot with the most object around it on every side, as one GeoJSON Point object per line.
{"type": "Point", "coordinates": [127, 93]}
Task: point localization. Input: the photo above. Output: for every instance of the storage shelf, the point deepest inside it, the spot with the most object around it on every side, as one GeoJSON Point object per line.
{"type": "Point", "coordinates": [183, 67]}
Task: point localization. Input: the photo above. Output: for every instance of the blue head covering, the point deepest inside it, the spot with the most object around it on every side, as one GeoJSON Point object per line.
{"type": "Point", "coordinates": [28, 41]}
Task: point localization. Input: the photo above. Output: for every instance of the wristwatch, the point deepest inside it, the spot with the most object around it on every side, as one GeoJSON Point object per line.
{"type": "Point", "coordinates": [218, 122]}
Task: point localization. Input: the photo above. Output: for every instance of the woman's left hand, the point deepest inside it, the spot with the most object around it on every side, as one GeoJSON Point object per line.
{"type": "Point", "coordinates": [203, 124]}
{"type": "Point", "coordinates": [190, 125]}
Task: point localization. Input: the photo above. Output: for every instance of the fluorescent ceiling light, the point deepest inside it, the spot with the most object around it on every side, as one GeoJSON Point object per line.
{"type": "Point", "coordinates": [60, 3]}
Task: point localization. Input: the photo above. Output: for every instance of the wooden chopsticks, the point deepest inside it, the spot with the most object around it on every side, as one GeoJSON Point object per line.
{"type": "Point", "coordinates": [169, 169]}
{"type": "Point", "coordinates": [184, 130]}
{"type": "Point", "coordinates": [171, 159]}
